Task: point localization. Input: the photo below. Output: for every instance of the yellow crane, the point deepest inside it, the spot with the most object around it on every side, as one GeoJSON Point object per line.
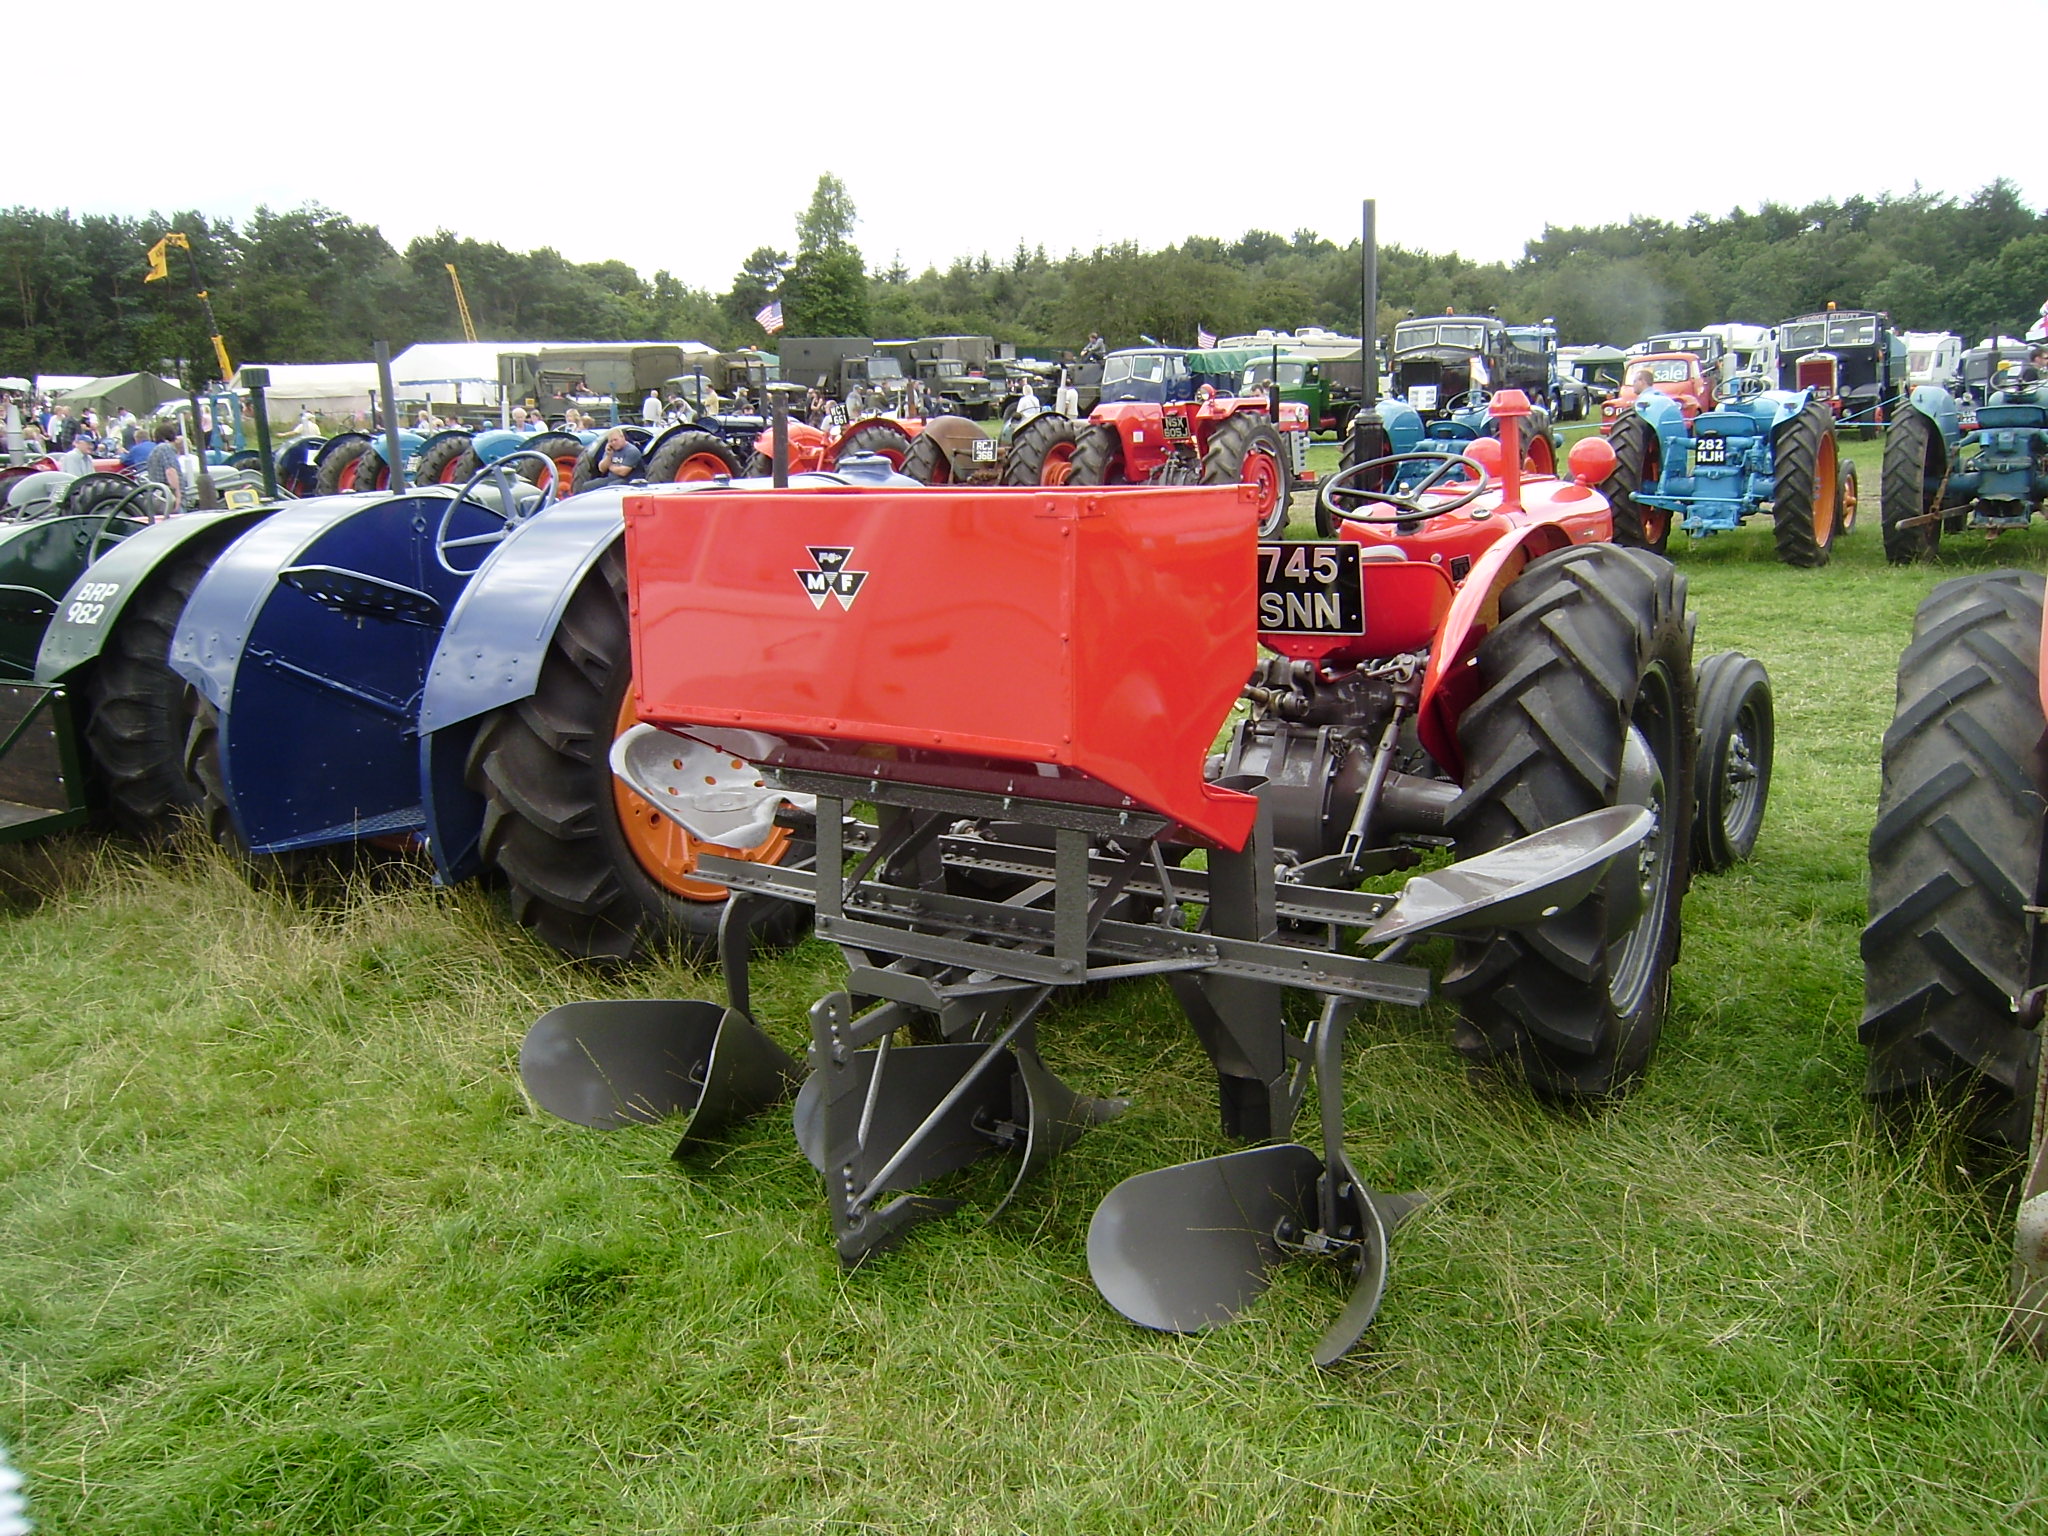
{"type": "Point", "coordinates": [461, 304]}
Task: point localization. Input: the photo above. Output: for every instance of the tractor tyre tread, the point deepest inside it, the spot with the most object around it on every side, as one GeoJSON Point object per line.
{"type": "Point", "coordinates": [1803, 489]}
{"type": "Point", "coordinates": [441, 463]}
{"type": "Point", "coordinates": [1043, 445]}
{"type": "Point", "coordinates": [1231, 447]}
{"type": "Point", "coordinates": [1737, 739]}
{"type": "Point", "coordinates": [678, 450]}
{"type": "Point", "coordinates": [1636, 456]}
{"type": "Point", "coordinates": [1956, 860]}
{"type": "Point", "coordinates": [1593, 633]}
{"type": "Point", "coordinates": [1902, 489]}
{"type": "Point", "coordinates": [892, 443]}
{"type": "Point", "coordinates": [327, 482]}
{"type": "Point", "coordinates": [927, 463]}
{"type": "Point", "coordinates": [1098, 457]}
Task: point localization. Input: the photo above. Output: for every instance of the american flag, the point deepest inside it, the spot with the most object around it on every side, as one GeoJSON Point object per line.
{"type": "Point", "coordinates": [769, 316]}
{"type": "Point", "coordinates": [1204, 338]}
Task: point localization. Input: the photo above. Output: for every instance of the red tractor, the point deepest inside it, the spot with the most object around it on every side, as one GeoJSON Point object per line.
{"type": "Point", "coordinates": [1210, 440]}
{"type": "Point", "coordinates": [1470, 665]}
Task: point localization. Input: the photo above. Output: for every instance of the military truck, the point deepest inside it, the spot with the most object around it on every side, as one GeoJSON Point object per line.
{"type": "Point", "coordinates": [838, 366]}
{"type": "Point", "coordinates": [962, 375]}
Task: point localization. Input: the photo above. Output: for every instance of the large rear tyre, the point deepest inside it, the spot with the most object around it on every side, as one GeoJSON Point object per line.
{"type": "Point", "coordinates": [1247, 450]}
{"type": "Point", "coordinates": [927, 462]}
{"type": "Point", "coordinates": [338, 468]}
{"type": "Point", "coordinates": [1805, 481]}
{"type": "Point", "coordinates": [92, 493]}
{"type": "Point", "coordinates": [594, 870]}
{"type": "Point", "coordinates": [1586, 701]}
{"type": "Point", "coordinates": [565, 448]}
{"type": "Point", "coordinates": [1955, 861]}
{"type": "Point", "coordinates": [1098, 457]}
{"type": "Point", "coordinates": [891, 442]}
{"type": "Point", "coordinates": [692, 456]}
{"type": "Point", "coordinates": [440, 463]}
{"type": "Point", "coordinates": [1903, 493]}
{"type": "Point", "coordinates": [139, 712]}
{"type": "Point", "coordinates": [1042, 451]}
{"type": "Point", "coordinates": [1733, 779]}
{"type": "Point", "coordinates": [1638, 461]}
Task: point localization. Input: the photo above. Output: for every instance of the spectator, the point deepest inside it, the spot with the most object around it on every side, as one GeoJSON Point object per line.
{"type": "Point", "coordinates": [1095, 350]}
{"type": "Point", "coordinates": [138, 452]}
{"type": "Point", "coordinates": [650, 409]}
{"type": "Point", "coordinates": [519, 421]}
{"type": "Point", "coordinates": [621, 460]}
{"type": "Point", "coordinates": [163, 466]}
{"type": "Point", "coordinates": [77, 459]}
{"type": "Point", "coordinates": [308, 425]}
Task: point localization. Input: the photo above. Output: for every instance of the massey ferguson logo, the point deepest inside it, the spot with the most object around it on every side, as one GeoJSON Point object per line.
{"type": "Point", "coordinates": [831, 578]}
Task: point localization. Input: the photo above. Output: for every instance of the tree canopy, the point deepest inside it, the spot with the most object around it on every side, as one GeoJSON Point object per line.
{"type": "Point", "coordinates": [313, 285]}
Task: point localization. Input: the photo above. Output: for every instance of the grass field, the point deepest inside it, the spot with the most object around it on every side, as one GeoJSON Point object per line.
{"type": "Point", "coordinates": [286, 1250]}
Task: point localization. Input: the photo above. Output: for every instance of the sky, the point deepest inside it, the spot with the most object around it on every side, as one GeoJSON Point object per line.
{"type": "Point", "coordinates": [684, 142]}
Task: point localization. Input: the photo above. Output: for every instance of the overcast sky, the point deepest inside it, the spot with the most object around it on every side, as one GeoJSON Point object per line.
{"type": "Point", "coordinates": [684, 142]}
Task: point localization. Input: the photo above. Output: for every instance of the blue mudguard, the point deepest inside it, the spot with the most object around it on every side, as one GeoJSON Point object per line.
{"type": "Point", "coordinates": [311, 636]}
{"type": "Point", "coordinates": [491, 652]}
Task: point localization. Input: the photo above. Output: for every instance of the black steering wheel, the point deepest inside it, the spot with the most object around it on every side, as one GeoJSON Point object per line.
{"type": "Point", "coordinates": [1472, 399]}
{"type": "Point", "coordinates": [511, 509]}
{"type": "Point", "coordinates": [1407, 505]}
{"type": "Point", "coordinates": [1744, 386]}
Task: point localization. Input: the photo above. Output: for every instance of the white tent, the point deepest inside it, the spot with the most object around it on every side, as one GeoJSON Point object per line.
{"type": "Point", "coordinates": [458, 372]}
{"type": "Point", "coordinates": [327, 389]}
{"type": "Point", "coordinates": [48, 384]}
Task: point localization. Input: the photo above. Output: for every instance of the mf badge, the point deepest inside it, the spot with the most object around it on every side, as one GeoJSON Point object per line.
{"type": "Point", "coordinates": [831, 576]}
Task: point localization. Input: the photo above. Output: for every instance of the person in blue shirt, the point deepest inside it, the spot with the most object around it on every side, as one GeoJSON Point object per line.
{"type": "Point", "coordinates": [138, 455]}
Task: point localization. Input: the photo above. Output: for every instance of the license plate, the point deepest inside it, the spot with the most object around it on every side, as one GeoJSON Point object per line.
{"type": "Point", "coordinates": [1310, 589]}
{"type": "Point", "coordinates": [982, 450]}
{"type": "Point", "coordinates": [1422, 396]}
{"type": "Point", "coordinates": [1710, 450]}
{"type": "Point", "coordinates": [1175, 428]}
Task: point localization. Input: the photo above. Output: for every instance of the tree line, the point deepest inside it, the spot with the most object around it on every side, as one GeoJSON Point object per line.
{"type": "Point", "coordinates": [312, 285]}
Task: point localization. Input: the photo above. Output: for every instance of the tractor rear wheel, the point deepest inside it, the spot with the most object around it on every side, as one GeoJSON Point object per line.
{"type": "Point", "coordinates": [565, 448]}
{"type": "Point", "coordinates": [692, 456]}
{"type": "Point", "coordinates": [1586, 701]}
{"type": "Point", "coordinates": [139, 712]}
{"type": "Point", "coordinates": [337, 471]}
{"type": "Point", "coordinates": [88, 493]}
{"type": "Point", "coordinates": [1042, 451]}
{"type": "Point", "coordinates": [1955, 861]}
{"type": "Point", "coordinates": [1098, 457]}
{"type": "Point", "coordinates": [1248, 450]}
{"type": "Point", "coordinates": [593, 869]}
{"type": "Point", "coordinates": [892, 443]}
{"type": "Point", "coordinates": [441, 463]}
{"type": "Point", "coordinates": [760, 467]}
{"type": "Point", "coordinates": [1638, 461]}
{"type": "Point", "coordinates": [927, 462]}
{"type": "Point", "coordinates": [1902, 490]}
{"type": "Point", "coordinates": [1805, 480]}
{"type": "Point", "coordinates": [585, 474]}
{"type": "Point", "coordinates": [1733, 778]}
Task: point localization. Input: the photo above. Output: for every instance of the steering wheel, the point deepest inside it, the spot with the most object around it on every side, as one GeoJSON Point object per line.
{"type": "Point", "coordinates": [1471, 400]}
{"type": "Point", "coordinates": [511, 510]}
{"type": "Point", "coordinates": [146, 503]}
{"type": "Point", "coordinates": [1744, 386]}
{"type": "Point", "coordinates": [1407, 505]}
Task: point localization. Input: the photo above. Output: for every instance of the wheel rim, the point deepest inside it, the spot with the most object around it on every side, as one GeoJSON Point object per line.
{"type": "Point", "coordinates": [1825, 489]}
{"type": "Point", "coordinates": [702, 466]}
{"type": "Point", "coordinates": [346, 480]}
{"type": "Point", "coordinates": [1742, 790]}
{"type": "Point", "coordinates": [1262, 473]}
{"type": "Point", "coordinates": [1058, 466]}
{"type": "Point", "coordinates": [666, 853]}
{"type": "Point", "coordinates": [1541, 458]}
{"type": "Point", "coordinates": [1656, 525]}
{"type": "Point", "coordinates": [1846, 513]}
{"type": "Point", "coordinates": [1651, 746]}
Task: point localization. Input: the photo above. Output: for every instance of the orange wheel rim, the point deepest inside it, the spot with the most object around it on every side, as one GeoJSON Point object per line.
{"type": "Point", "coordinates": [702, 466]}
{"type": "Point", "coordinates": [1261, 472]}
{"type": "Point", "coordinates": [666, 853]}
{"type": "Point", "coordinates": [1059, 465]}
{"type": "Point", "coordinates": [1825, 490]}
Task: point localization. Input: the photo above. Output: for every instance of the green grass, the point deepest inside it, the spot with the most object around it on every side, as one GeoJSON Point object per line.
{"type": "Point", "coordinates": [287, 1251]}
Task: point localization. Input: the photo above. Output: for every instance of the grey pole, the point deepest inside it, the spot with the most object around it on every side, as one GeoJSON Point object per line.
{"type": "Point", "coordinates": [392, 455]}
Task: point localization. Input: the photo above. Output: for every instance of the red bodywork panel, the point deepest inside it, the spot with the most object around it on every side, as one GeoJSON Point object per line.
{"type": "Point", "coordinates": [1142, 425]}
{"type": "Point", "coordinates": [1080, 644]}
{"type": "Point", "coordinates": [1439, 586]}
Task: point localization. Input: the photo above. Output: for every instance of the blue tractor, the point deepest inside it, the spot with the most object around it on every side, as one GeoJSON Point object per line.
{"type": "Point", "coordinates": [1759, 450]}
{"type": "Point", "coordinates": [1950, 466]}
